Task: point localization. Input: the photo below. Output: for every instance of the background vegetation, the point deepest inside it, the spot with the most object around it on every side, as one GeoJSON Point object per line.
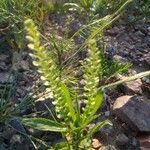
{"type": "Point", "coordinates": [58, 62]}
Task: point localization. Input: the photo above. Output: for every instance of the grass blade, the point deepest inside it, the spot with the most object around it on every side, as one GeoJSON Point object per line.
{"type": "Point", "coordinates": [44, 124]}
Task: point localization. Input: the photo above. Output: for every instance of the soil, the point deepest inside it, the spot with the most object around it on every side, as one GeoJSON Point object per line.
{"type": "Point", "coordinates": [128, 43]}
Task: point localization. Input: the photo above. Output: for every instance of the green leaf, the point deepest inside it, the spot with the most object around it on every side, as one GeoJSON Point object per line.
{"type": "Point", "coordinates": [62, 146]}
{"type": "Point", "coordinates": [93, 108]}
{"type": "Point", "coordinates": [97, 127]}
{"type": "Point", "coordinates": [73, 6]}
{"type": "Point", "coordinates": [44, 124]}
{"type": "Point", "coordinates": [98, 102]}
{"type": "Point", "coordinates": [68, 100]}
{"type": "Point", "coordinates": [83, 125]}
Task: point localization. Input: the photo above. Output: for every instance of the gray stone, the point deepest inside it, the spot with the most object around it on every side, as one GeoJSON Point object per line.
{"type": "Point", "coordinates": [134, 112]}
{"type": "Point", "coordinates": [2, 146]}
{"type": "Point", "coordinates": [106, 132]}
{"type": "Point", "coordinates": [146, 58]}
{"type": "Point", "coordinates": [3, 66]}
{"type": "Point", "coordinates": [16, 138]}
{"type": "Point", "coordinates": [144, 141]}
{"type": "Point", "coordinates": [146, 80]}
{"type": "Point", "coordinates": [122, 139]}
{"type": "Point", "coordinates": [107, 113]}
{"type": "Point", "coordinates": [113, 31]}
{"type": "Point", "coordinates": [133, 87]}
{"type": "Point", "coordinates": [4, 58]}
{"type": "Point", "coordinates": [140, 34]}
{"type": "Point", "coordinates": [24, 65]}
{"type": "Point", "coordinates": [34, 132]}
{"type": "Point", "coordinates": [120, 59]}
{"type": "Point", "coordinates": [6, 78]}
{"type": "Point", "coordinates": [147, 40]}
{"type": "Point", "coordinates": [134, 141]}
{"type": "Point", "coordinates": [109, 147]}
{"type": "Point", "coordinates": [40, 105]}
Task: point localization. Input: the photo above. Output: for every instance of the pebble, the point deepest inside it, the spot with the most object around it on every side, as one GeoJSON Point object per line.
{"type": "Point", "coordinates": [24, 65]}
{"type": "Point", "coordinates": [6, 78]}
{"type": "Point", "coordinates": [107, 113]}
{"type": "Point", "coordinates": [96, 144]}
{"type": "Point", "coordinates": [122, 139]}
{"type": "Point", "coordinates": [16, 138]}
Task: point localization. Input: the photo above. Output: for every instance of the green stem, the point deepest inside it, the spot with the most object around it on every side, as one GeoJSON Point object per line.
{"type": "Point", "coordinates": [127, 79]}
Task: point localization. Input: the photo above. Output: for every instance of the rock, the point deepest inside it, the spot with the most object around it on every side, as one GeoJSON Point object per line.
{"type": "Point", "coordinates": [146, 80]}
{"type": "Point", "coordinates": [140, 34]}
{"type": "Point", "coordinates": [143, 148]}
{"type": "Point", "coordinates": [109, 147]}
{"type": "Point", "coordinates": [74, 27]}
{"type": "Point", "coordinates": [134, 142]}
{"type": "Point", "coordinates": [7, 132]}
{"type": "Point", "coordinates": [107, 113]}
{"type": "Point", "coordinates": [146, 59]}
{"type": "Point", "coordinates": [96, 144]}
{"type": "Point", "coordinates": [113, 31]}
{"type": "Point", "coordinates": [106, 132]}
{"type": "Point", "coordinates": [21, 92]}
{"type": "Point", "coordinates": [133, 112]}
{"type": "Point", "coordinates": [17, 142]}
{"type": "Point", "coordinates": [144, 141]}
{"type": "Point", "coordinates": [147, 40]}
{"type": "Point", "coordinates": [24, 65]}
{"type": "Point", "coordinates": [122, 139]}
{"type": "Point", "coordinates": [3, 146]}
{"type": "Point", "coordinates": [6, 78]}
{"type": "Point", "coordinates": [34, 132]}
{"type": "Point", "coordinates": [4, 62]}
{"type": "Point", "coordinates": [133, 87]}
{"type": "Point", "coordinates": [16, 138]}
{"type": "Point", "coordinates": [120, 59]}
{"type": "Point", "coordinates": [146, 84]}
{"type": "Point", "coordinates": [4, 58]}
{"type": "Point", "coordinates": [3, 66]}
{"type": "Point", "coordinates": [25, 55]}
{"type": "Point", "coordinates": [40, 105]}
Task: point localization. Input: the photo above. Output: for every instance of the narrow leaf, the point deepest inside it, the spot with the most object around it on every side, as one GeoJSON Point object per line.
{"type": "Point", "coordinates": [44, 124]}
{"type": "Point", "coordinates": [97, 127]}
{"type": "Point", "coordinates": [68, 100]}
{"type": "Point", "coordinates": [95, 107]}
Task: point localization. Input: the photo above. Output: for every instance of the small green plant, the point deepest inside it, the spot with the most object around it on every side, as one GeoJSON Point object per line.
{"type": "Point", "coordinates": [100, 7]}
{"type": "Point", "coordinates": [139, 10]}
{"type": "Point", "coordinates": [71, 120]}
{"type": "Point", "coordinates": [13, 12]}
{"type": "Point", "coordinates": [95, 27]}
{"type": "Point", "coordinates": [8, 108]}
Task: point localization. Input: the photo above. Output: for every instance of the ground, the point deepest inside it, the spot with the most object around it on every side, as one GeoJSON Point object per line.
{"type": "Point", "coordinates": [130, 44]}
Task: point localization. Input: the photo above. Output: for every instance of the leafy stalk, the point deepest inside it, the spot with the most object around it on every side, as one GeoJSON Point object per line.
{"type": "Point", "coordinates": [48, 68]}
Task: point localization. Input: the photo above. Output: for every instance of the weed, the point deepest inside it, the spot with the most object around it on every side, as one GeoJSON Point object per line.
{"type": "Point", "coordinates": [70, 120]}
{"type": "Point", "coordinates": [13, 12]}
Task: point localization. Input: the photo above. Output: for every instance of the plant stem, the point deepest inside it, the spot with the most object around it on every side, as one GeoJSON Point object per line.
{"type": "Point", "coordinates": [127, 79]}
